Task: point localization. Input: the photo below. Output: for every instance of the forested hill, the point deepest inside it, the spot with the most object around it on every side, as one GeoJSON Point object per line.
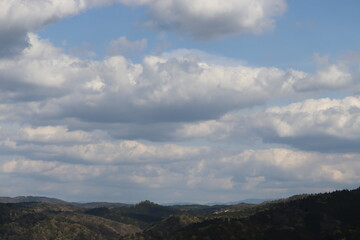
{"type": "Point", "coordinates": [322, 216]}
{"type": "Point", "coordinates": [318, 216]}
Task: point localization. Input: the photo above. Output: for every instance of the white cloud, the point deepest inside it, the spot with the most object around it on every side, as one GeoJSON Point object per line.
{"type": "Point", "coordinates": [116, 90]}
{"type": "Point", "coordinates": [331, 77]}
{"type": "Point", "coordinates": [56, 134]}
{"type": "Point", "coordinates": [26, 166]}
{"type": "Point", "coordinates": [283, 168]}
{"type": "Point", "coordinates": [55, 171]}
{"type": "Point", "coordinates": [42, 72]}
{"type": "Point", "coordinates": [178, 97]}
{"type": "Point", "coordinates": [323, 124]}
{"type": "Point", "coordinates": [17, 18]}
{"type": "Point", "coordinates": [213, 19]}
{"type": "Point", "coordinates": [193, 98]}
{"type": "Point", "coordinates": [59, 144]}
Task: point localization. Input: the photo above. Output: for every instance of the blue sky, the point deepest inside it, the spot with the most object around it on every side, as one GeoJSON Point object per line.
{"type": "Point", "coordinates": [178, 101]}
{"type": "Point", "coordinates": [305, 29]}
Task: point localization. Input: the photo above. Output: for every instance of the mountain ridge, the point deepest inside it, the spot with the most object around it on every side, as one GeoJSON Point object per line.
{"type": "Point", "coordinates": [306, 216]}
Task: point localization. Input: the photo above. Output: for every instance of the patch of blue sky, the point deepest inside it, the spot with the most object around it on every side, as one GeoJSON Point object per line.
{"type": "Point", "coordinates": [96, 28]}
{"type": "Point", "coordinates": [304, 30]}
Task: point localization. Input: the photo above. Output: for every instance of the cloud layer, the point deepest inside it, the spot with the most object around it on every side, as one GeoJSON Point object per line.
{"type": "Point", "coordinates": [184, 124]}
{"type": "Point", "coordinates": [116, 90]}
{"type": "Point", "coordinates": [88, 119]}
{"type": "Point", "coordinates": [159, 89]}
{"type": "Point", "coordinates": [277, 172]}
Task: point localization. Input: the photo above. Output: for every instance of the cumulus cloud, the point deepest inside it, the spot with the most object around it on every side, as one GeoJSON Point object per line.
{"type": "Point", "coordinates": [283, 168]}
{"type": "Point", "coordinates": [116, 90]}
{"type": "Point", "coordinates": [321, 125]}
{"type": "Point", "coordinates": [324, 125]}
{"type": "Point", "coordinates": [41, 76]}
{"type": "Point", "coordinates": [170, 97]}
{"type": "Point", "coordinates": [329, 76]}
{"type": "Point", "coordinates": [17, 18]}
{"type": "Point", "coordinates": [176, 96]}
{"type": "Point", "coordinates": [213, 19]}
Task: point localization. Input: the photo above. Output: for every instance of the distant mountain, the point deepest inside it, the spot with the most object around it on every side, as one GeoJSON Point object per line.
{"type": "Point", "coordinates": [179, 204]}
{"type": "Point", "coordinates": [254, 200]}
{"type": "Point", "coordinates": [22, 199]}
{"type": "Point", "coordinates": [248, 201]}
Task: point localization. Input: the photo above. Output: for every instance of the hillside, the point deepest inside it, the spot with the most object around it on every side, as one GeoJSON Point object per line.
{"type": "Point", "coordinates": [322, 216]}
{"type": "Point", "coordinates": [27, 221]}
{"type": "Point", "coordinates": [318, 216]}
{"type": "Point", "coordinates": [143, 214]}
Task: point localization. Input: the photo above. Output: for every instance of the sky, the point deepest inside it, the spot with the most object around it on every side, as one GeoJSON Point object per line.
{"type": "Point", "coordinates": [178, 100]}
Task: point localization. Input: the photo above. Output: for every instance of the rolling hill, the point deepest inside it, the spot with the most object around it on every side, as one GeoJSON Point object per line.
{"type": "Point", "coordinates": [318, 216]}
